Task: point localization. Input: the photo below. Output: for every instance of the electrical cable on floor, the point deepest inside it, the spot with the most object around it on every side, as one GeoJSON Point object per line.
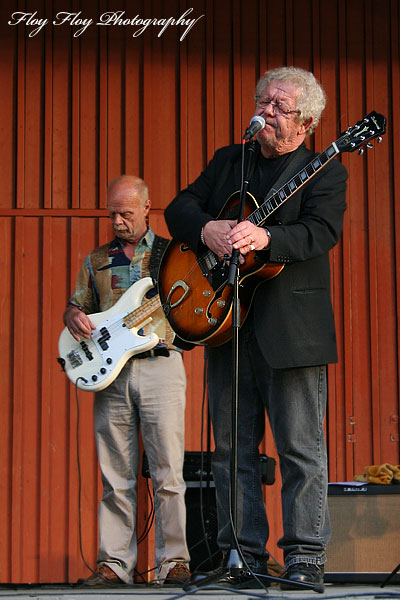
{"type": "Point", "coordinates": [203, 402]}
{"type": "Point", "coordinates": [80, 479]}
{"type": "Point", "coordinates": [253, 594]}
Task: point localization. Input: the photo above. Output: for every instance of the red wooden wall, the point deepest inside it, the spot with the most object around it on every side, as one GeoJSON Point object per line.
{"type": "Point", "coordinates": [78, 111]}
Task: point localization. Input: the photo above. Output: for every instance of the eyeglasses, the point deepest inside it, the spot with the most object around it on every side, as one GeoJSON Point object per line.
{"type": "Point", "coordinates": [279, 107]}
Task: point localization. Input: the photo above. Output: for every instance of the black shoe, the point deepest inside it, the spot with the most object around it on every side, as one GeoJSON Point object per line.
{"type": "Point", "coordinates": [303, 572]}
{"type": "Point", "coordinates": [221, 576]}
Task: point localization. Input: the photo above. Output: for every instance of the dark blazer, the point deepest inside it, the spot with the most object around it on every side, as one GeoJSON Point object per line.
{"type": "Point", "coordinates": [293, 316]}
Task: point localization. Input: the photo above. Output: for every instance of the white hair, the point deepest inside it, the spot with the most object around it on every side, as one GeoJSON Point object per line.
{"type": "Point", "coordinates": [311, 99]}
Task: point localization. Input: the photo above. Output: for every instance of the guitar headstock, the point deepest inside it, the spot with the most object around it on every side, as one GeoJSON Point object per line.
{"type": "Point", "coordinates": [370, 127]}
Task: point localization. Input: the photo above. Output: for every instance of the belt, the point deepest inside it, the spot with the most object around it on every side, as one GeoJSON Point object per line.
{"type": "Point", "coordinates": [151, 353]}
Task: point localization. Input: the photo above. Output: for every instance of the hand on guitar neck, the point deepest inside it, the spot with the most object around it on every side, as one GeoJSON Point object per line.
{"type": "Point", "coordinates": [247, 237]}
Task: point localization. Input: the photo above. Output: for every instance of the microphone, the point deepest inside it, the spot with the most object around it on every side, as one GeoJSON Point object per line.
{"type": "Point", "coordinates": [256, 124]}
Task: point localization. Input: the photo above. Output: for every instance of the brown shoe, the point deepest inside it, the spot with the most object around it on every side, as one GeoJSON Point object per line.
{"type": "Point", "coordinates": [102, 577]}
{"type": "Point", "coordinates": [178, 574]}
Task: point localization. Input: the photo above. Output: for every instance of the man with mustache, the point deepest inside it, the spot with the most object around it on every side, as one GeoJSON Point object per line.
{"type": "Point", "coordinates": [288, 336]}
{"type": "Point", "coordinates": [150, 391]}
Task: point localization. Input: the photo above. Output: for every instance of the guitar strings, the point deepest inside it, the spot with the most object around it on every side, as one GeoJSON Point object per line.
{"type": "Point", "coordinates": [116, 325]}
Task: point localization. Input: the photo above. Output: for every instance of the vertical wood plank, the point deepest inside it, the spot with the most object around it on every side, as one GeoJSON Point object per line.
{"type": "Point", "coordinates": [83, 507]}
{"type": "Point", "coordinates": [9, 70]}
{"type": "Point", "coordinates": [48, 116]}
{"type": "Point", "coordinates": [58, 150]}
{"type": "Point", "coordinates": [6, 422]}
{"type": "Point", "coordinates": [103, 112]}
{"type": "Point", "coordinates": [394, 151]}
{"type": "Point", "coordinates": [133, 103]}
{"type": "Point", "coordinates": [20, 120]}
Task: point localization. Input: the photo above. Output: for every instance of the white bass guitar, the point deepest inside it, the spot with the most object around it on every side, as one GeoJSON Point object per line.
{"type": "Point", "coordinates": [92, 364]}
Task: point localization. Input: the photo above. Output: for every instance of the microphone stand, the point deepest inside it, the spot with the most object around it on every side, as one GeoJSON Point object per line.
{"type": "Point", "coordinates": [234, 562]}
{"type": "Point", "coordinates": [235, 566]}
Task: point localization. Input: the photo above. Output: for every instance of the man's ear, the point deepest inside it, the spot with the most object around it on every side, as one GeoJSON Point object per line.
{"type": "Point", "coordinates": [305, 126]}
{"type": "Point", "coordinates": [147, 207]}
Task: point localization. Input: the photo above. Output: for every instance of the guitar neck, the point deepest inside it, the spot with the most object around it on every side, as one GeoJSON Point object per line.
{"type": "Point", "coordinates": [273, 202]}
{"type": "Point", "coordinates": [140, 313]}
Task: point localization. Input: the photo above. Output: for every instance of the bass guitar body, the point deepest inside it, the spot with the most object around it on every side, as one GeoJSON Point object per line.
{"type": "Point", "coordinates": [92, 364]}
{"type": "Point", "coordinates": [193, 287]}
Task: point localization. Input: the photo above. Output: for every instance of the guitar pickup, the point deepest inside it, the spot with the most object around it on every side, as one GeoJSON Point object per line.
{"type": "Point", "coordinates": [106, 335]}
{"type": "Point", "coordinates": [86, 350]}
{"type": "Point", "coordinates": [104, 338]}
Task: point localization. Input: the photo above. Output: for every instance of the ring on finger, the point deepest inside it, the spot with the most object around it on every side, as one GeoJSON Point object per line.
{"type": "Point", "coordinates": [252, 247]}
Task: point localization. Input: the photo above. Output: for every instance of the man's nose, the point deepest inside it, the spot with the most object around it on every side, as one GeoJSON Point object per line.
{"type": "Point", "coordinates": [268, 109]}
{"type": "Point", "coordinates": [117, 219]}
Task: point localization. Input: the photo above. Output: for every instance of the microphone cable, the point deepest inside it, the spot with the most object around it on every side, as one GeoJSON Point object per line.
{"type": "Point", "coordinates": [203, 405]}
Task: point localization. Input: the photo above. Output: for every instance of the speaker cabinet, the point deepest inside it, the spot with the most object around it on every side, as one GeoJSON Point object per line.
{"type": "Point", "coordinates": [202, 542]}
{"type": "Point", "coordinates": [365, 542]}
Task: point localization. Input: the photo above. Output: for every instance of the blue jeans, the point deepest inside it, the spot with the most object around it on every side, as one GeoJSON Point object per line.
{"type": "Point", "coordinates": [295, 401]}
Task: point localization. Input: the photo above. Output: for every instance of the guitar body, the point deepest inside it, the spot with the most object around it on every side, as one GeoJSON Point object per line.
{"type": "Point", "coordinates": [193, 291]}
{"type": "Point", "coordinates": [94, 363]}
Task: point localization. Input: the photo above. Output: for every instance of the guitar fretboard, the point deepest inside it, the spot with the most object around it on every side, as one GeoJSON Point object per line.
{"type": "Point", "coordinates": [140, 313]}
{"type": "Point", "coordinates": [273, 202]}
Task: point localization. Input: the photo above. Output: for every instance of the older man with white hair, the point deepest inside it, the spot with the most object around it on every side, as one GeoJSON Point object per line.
{"type": "Point", "coordinates": [288, 336]}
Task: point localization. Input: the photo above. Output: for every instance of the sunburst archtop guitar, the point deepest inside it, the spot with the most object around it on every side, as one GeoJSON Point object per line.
{"type": "Point", "coordinates": [193, 287]}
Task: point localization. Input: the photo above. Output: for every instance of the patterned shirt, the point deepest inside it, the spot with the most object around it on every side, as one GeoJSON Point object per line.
{"type": "Point", "coordinates": [106, 273]}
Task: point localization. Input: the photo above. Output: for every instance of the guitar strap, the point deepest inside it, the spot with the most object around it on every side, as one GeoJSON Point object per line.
{"type": "Point", "coordinates": [159, 246]}
{"type": "Point", "coordinates": [158, 249]}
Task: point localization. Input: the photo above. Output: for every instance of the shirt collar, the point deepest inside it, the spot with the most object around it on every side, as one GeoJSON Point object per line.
{"type": "Point", "coordinates": [146, 242]}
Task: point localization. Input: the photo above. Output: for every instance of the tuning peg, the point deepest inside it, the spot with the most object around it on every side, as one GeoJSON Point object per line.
{"type": "Point", "coordinates": [361, 151]}
{"type": "Point", "coordinates": [369, 145]}
{"type": "Point", "coordinates": [379, 139]}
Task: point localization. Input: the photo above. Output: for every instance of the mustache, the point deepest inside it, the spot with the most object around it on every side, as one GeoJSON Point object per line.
{"type": "Point", "coordinates": [119, 228]}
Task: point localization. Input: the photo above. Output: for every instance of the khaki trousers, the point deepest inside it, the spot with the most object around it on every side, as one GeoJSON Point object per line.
{"type": "Point", "coordinates": [149, 392]}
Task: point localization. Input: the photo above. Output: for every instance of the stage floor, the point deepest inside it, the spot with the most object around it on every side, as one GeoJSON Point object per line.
{"type": "Point", "coordinates": [66, 592]}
